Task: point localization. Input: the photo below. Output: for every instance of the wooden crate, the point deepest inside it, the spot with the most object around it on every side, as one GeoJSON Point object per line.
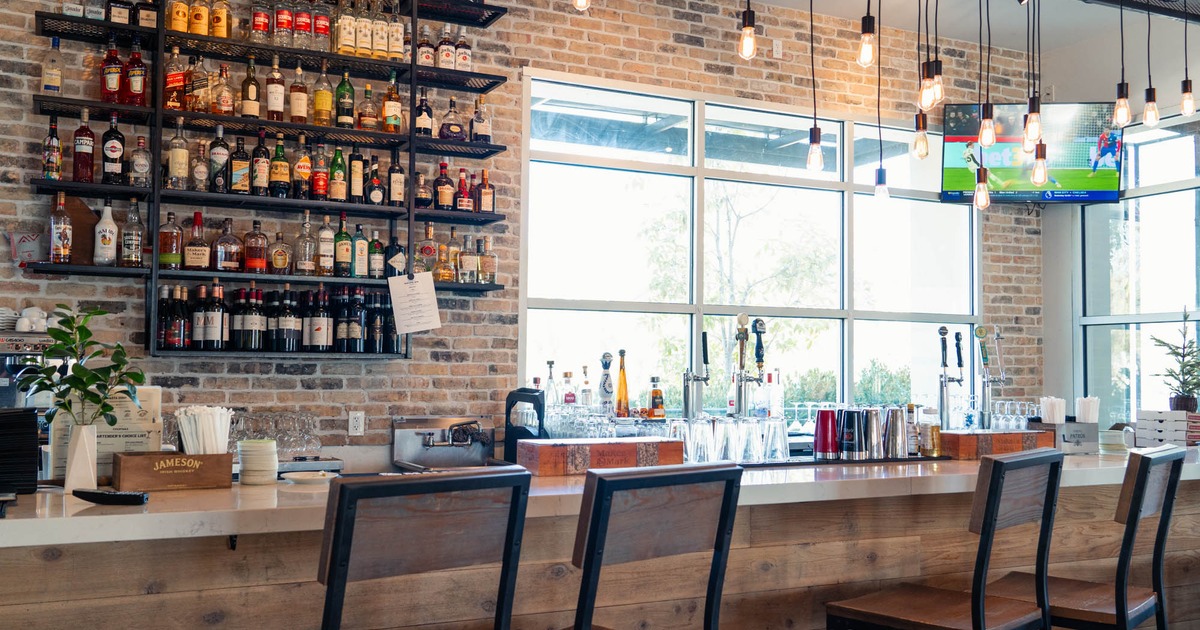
{"type": "Point", "coordinates": [965, 445]}
{"type": "Point", "coordinates": [144, 472]}
{"type": "Point", "coordinates": [551, 458]}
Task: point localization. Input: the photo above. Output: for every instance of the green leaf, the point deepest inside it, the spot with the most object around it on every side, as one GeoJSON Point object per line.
{"type": "Point", "coordinates": [110, 419]}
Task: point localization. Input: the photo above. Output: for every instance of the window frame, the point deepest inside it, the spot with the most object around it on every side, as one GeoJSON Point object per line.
{"type": "Point", "coordinates": [696, 307]}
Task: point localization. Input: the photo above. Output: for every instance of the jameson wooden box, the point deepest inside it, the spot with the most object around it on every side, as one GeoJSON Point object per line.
{"type": "Point", "coordinates": [144, 472]}
{"type": "Point", "coordinates": [550, 458]}
{"type": "Point", "coordinates": [973, 445]}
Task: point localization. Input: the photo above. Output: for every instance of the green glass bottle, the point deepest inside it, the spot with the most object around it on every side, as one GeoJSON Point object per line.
{"type": "Point", "coordinates": [338, 181]}
{"type": "Point", "coordinates": [343, 251]}
{"type": "Point", "coordinates": [280, 184]}
{"type": "Point", "coordinates": [344, 102]}
{"type": "Point", "coordinates": [361, 252]}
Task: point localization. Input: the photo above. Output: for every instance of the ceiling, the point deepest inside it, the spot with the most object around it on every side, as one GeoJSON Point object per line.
{"type": "Point", "coordinates": [1067, 22]}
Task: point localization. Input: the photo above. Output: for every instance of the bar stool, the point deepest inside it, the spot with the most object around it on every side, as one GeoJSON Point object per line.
{"type": "Point", "coordinates": [1011, 490]}
{"type": "Point", "coordinates": [1151, 479]}
{"type": "Point", "coordinates": [632, 514]}
{"type": "Point", "coordinates": [367, 517]}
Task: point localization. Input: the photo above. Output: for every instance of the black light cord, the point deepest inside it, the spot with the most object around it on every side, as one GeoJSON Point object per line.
{"type": "Point", "coordinates": [1185, 40]}
{"type": "Point", "coordinates": [979, 80]}
{"type": "Point", "coordinates": [1038, 31]}
{"type": "Point", "coordinates": [1122, 41]}
{"type": "Point", "coordinates": [989, 54]}
{"type": "Point", "coordinates": [812, 59]}
{"type": "Point", "coordinates": [879, 82]}
{"type": "Point", "coordinates": [1149, 75]}
{"type": "Point", "coordinates": [919, 77]}
{"type": "Point", "coordinates": [868, 9]}
{"type": "Point", "coordinates": [926, 30]}
{"type": "Point", "coordinates": [937, 38]}
{"type": "Point", "coordinates": [1028, 52]}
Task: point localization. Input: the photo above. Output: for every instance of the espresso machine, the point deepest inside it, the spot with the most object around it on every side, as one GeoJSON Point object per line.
{"type": "Point", "coordinates": [18, 349]}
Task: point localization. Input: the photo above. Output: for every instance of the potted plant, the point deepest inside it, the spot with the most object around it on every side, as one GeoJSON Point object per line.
{"type": "Point", "coordinates": [1184, 377]}
{"type": "Point", "coordinates": [84, 376]}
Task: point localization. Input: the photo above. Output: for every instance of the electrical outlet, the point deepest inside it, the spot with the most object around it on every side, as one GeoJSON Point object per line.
{"type": "Point", "coordinates": [1050, 94]}
{"type": "Point", "coordinates": [777, 49]}
{"type": "Point", "coordinates": [358, 423]}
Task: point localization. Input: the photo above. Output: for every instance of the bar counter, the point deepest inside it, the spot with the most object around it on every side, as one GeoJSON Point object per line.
{"type": "Point", "coordinates": [804, 535]}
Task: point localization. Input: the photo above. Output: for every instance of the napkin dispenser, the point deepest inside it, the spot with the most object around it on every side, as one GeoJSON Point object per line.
{"type": "Point", "coordinates": [1072, 438]}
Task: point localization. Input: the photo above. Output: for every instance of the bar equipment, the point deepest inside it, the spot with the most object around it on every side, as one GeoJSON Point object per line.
{"type": "Point", "coordinates": [896, 434]}
{"type": "Point", "coordinates": [689, 377]}
{"type": "Point", "coordinates": [825, 436]}
{"type": "Point", "coordinates": [873, 423]}
{"type": "Point", "coordinates": [513, 433]}
{"type": "Point", "coordinates": [985, 405]}
{"type": "Point", "coordinates": [775, 442]}
{"type": "Point", "coordinates": [945, 380]}
{"type": "Point", "coordinates": [742, 379]}
{"type": "Point", "coordinates": [727, 440]}
{"type": "Point", "coordinates": [854, 436]}
{"type": "Point", "coordinates": [421, 443]}
{"type": "Point", "coordinates": [606, 383]}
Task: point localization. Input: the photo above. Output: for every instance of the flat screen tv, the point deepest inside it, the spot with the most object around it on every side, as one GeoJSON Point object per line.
{"type": "Point", "coordinates": [1083, 155]}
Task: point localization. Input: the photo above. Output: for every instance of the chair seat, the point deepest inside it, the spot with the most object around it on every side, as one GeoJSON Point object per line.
{"type": "Point", "coordinates": [1076, 599]}
{"type": "Point", "coordinates": [913, 607]}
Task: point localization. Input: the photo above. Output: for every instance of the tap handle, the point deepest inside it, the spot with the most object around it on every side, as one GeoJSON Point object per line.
{"type": "Point", "coordinates": [942, 332]}
{"type": "Point", "coordinates": [760, 328]}
{"type": "Point", "coordinates": [957, 349]}
{"type": "Point", "coordinates": [704, 347]}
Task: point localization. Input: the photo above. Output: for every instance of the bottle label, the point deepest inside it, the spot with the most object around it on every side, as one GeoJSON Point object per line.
{"type": "Point", "coordinates": [85, 145]}
{"type": "Point", "coordinates": [320, 183]}
{"type": "Point", "coordinates": [220, 23]}
{"type": "Point", "coordinates": [345, 31]}
{"type": "Point", "coordinates": [170, 258]}
{"type": "Point", "coordinates": [396, 187]}
{"type": "Point", "coordinates": [177, 163]}
{"type": "Point", "coordinates": [464, 203]}
{"type": "Point", "coordinates": [113, 149]}
{"type": "Point", "coordinates": [322, 101]}
{"type": "Point", "coordinates": [217, 158]}
{"type": "Point", "coordinates": [379, 37]}
{"type": "Point", "coordinates": [306, 332]}
{"type": "Point", "coordinates": [487, 200]}
{"type": "Point", "coordinates": [356, 178]}
{"type": "Point", "coordinates": [426, 55]}
{"type": "Point", "coordinates": [261, 174]}
{"type": "Point", "coordinates": [131, 247]}
{"type": "Point", "coordinates": [345, 116]}
{"type": "Point", "coordinates": [305, 265]}
{"type": "Point", "coordinates": [174, 90]}
{"type": "Point", "coordinates": [302, 22]}
{"type": "Point", "coordinates": [280, 259]}
{"type": "Point", "coordinates": [340, 331]}
{"type": "Point", "coordinates": [199, 20]}
{"type": "Point", "coordinates": [303, 170]}
{"type": "Point", "coordinates": [354, 329]}
{"type": "Point", "coordinates": [375, 265]}
{"type": "Point", "coordinates": [137, 80]}
{"type": "Point", "coordinates": [325, 254]}
{"type": "Point", "coordinates": [255, 262]}
{"type": "Point", "coordinates": [424, 121]}
{"type": "Point", "coordinates": [200, 173]}
{"type": "Point", "coordinates": [225, 102]}
{"type": "Point", "coordinates": [337, 187]}
{"type": "Point", "coordinates": [367, 121]}
{"type": "Point", "coordinates": [275, 97]}
{"type": "Point", "coordinates": [213, 326]}
{"type": "Point", "coordinates": [239, 175]}
{"type": "Point", "coordinates": [196, 256]}
{"type": "Point", "coordinates": [396, 39]}
{"type": "Point", "coordinates": [481, 128]}
{"type": "Point", "coordinates": [280, 171]}
{"type": "Point", "coordinates": [342, 252]}
{"type": "Point", "coordinates": [60, 242]}
{"type": "Point", "coordinates": [250, 107]}
{"type": "Point", "coordinates": [140, 165]}
{"type": "Point", "coordinates": [147, 17]}
{"type": "Point", "coordinates": [320, 25]}
{"type": "Point", "coordinates": [283, 19]}
{"type": "Point", "coordinates": [298, 104]}
{"type": "Point", "coordinates": [289, 324]}
{"type": "Point", "coordinates": [112, 78]}
{"type": "Point", "coordinates": [487, 264]}
{"type": "Point", "coordinates": [393, 113]}
{"type": "Point", "coordinates": [179, 17]}
{"type": "Point", "coordinates": [445, 57]}
{"type": "Point", "coordinates": [260, 22]}
{"type": "Point", "coordinates": [361, 264]}
{"type": "Point", "coordinates": [428, 250]}
{"type": "Point", "coordinates": [52, 80]}
{"type": "Point", "coordinates": [445, 195]}
{"type": "Point", "coordinates": [229, 265]}
{"type": "Point", "coordinates": [376, 196]}
{"type": "Point", "coordinates": [118, 14]}
{"type": "Point", "coordinates": [362, 31]}
{"type": "Point", "coordinates": [52, 162]}
{"type": "Point", "coordinates": [569, 398]}
{"type": "Point", "coordinates": [462, 60]}
{"type": "Point", "coordinates": [199, 333]}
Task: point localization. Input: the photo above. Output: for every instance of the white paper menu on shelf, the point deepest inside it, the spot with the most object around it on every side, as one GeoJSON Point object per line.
{"type": "Point", "coordinates": [414, 303]}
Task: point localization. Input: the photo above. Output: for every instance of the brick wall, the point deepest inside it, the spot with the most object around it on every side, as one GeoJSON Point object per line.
{"type": "Point", "coordinates": [470, 364]}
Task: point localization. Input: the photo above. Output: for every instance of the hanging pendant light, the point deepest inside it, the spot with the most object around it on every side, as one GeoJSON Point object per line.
{"type": "Point", "coordinates": [927, 96]}
{"type": "Point", "coordinates": [881, 187]}
{"type": "Point", "coordinates": [1041, 173]}
{"type": "Point", "coordinates": [1028, 145]}
{"type": "Point", "coordinates": [920, 143]}
{"type": "Point", "coordinates": [1187, 102]}
{"type": "Point", "coordinates": [987, 113]}
{"type": "Point", "coordinates": [582, 5]}
{"type": "Point", "coordinates": [747, 42]}
{"type": "Point", "coordinates": [868, 44]}
{"type": "Point", "coordinates": [816, 157]}
{"type": "Point", "coordinates": [1032, 126]}
{"type": "Point", "coordinates": [1121, 113]}
{"type": "Point", "coordinates": [939, 87]}
{"type": "Point", "coordinates": [987, 125]}
{"type": "Point", "coordinates": [1150, 115]}
{"type": "Point", "coordinates": [982, 198]}
{"type": "Point", "coordinates": [1033, 120]}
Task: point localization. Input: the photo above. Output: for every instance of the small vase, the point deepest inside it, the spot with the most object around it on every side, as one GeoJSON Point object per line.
{"type": "Point", "coordinates": [1183, 403]}
{"type": "Point", "coordinates": [81, 459]}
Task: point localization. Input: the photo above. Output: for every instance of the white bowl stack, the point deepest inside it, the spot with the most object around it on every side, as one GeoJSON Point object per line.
{"type": "Point", "coordinates": [259, 462]}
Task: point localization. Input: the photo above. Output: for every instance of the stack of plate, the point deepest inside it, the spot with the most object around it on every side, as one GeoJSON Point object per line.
{"type": "Point", "coordinates": [1112, 443]}
{"type": "Point", "coordinates": [259, 462]}
{"type": "Point", "coordinates": [8, 319]}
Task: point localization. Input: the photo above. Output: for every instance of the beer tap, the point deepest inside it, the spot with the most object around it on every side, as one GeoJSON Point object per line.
{"type": "Point", "coordinates": [742, 378]}
{"type": "Point", "coordinates": [946, 379]}
{"type": "Point", "coordinates": [985, 413]}
{"type": "Point", "coordinates": [689, 377]}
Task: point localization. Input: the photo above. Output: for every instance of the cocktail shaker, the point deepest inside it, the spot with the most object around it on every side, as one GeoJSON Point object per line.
{"type": "Point", "coordinates": [826, 436]}
{"type": "Point", "coordinates": [873, 423]}
{"type": "Point", "coordinates": [896, 438]}
{"type": "Point", "coordinates": [854, 435]}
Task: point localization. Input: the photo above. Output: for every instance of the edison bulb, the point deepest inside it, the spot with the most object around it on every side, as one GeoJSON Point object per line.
{"type": "Point", "coordinates": [1187, 104]}
{"type": "Point", "coordinates": [1033, 127]}
{"type": "Point", "coordinates": [1027, 144]}
{"type": "Point", "coordinates": [747, 44]}
{"type": "Point", "coordinates": [1040, 175]}
{"type": "Point", "coordinates": [881, 187]}
{"type": "Point", "coordinates": [582, 5]}
{"type": "Point", "coordinates": [920, 145]}
{"type": "Point", "coordinates": [983, 198]}
{"type": "Point", "coordinates": [816, 159]}
{"type": "Point", "coordinates": [987, 133]}
{"type": "Point", "coordinates": [927, 97]}
{"type": "Point", "coordinates": [1121, 113]}
{"type": "Point", "coordinates": [868, 51]}
{"type": "Point", "coordinates": [939, 89]}
{"type": "Point", "coordinates": [1150, 116]}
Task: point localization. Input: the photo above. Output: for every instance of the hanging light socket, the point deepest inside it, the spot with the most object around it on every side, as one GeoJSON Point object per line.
{"type": "Point", "coordinates": [987, 125]}
{"type": "Point", "coordinates": [1040, 174]}
{"type": "Point", "coordinates": [939, 88]}
{"type": "Point", "coordinates": [747, 42]}
{"type": "Point", "coordinates": [1027, 144]}
{"type": "Point", "coordinates": [1187, 103]}
{"type": "Point", "coordinates": [1121, 114]}
{"type": "Point", "coordinates": [920, 143]}
{"type": "Point", "coordinates": [1150, 116]}
{"type": "Point", "coordinates": [868, 44]}
{"type": "Point", "coordinates": [881, 187]}
{"type": "Point", "coordinates": [927, 96]}
{"type": "Point", "coordinates": [1033, 120]}
{"type": "Point", "coordinates": [816, 158]}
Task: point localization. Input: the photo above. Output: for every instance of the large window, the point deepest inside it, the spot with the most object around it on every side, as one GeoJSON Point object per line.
{"type": "Point", "coordinates": [1140, 270]}
{"type": "Point", "coordinates": [655, 216]}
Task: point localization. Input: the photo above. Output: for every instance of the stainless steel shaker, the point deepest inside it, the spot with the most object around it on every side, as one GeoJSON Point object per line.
{"type": "Point", "coordinates": [854, 435]}
{"type": "Point", "coordinates": [896, 434]}
{"type": "Point", "coordinates": [873, 423]}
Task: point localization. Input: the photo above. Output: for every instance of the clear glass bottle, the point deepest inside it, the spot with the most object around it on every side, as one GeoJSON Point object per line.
{"type": "Point", "coordinates": [363, 29]}
{"type": "Point", "coordinates": [254, 249]}
{"type": "Point", "coordinates": [133, 237]}
{"type": "Point", "coordinates": [279, 256]}
{"type": "Point", "coordinates": [427, 249]}
{"type": "Point", "coordinates": [140, 165]}
{"type": "Point", "coordinates": [488, 261]}
{"type": "Point", "coordinates": [320, 174]}
{"type": "Point", "coordinates": [453, 249]}
{"type": "Point", "coordinates": [345, 32]}
{"type": "Point", "coordinates": [52, 67]}
{"type": "Point", "coordinates": [379, 31]}
{"type": "Point", "coordinates": [261, 19]}
{"type": "Point", "coordinates": [302, 24]}
{"type": "Point", "coordinates": [468, 262]}
{"type": "Point", "coordinates": [227, 249]}
{"type": "Point", "coordinates": [423, 193]}
{"type": "Point", "coordinates": [170, 244]}
{"type": "Point", "coordinates": [485, 195]}
{"type": "Point", "coordinates": [305, 250]}
{"type": "Point", "coordinates": [222, 97]}
{"type": "Point", "coordinates": [481, 122]}
{"type": "Point", "coordinates": [323, 98]}
{"type": "Point", "coordinates": [443, 271]}
{"type": "Point", "coordinates": [284, 24]}
{"type": "Point", "coordinates": [199, 84]}
{"type": "Point", "coordinates": [298, 98]}
{"type": "Point", "coordinates": [395, 35]}
{"type": "Point", "coordinates": [61, 232]}
{"type": "Point", "coordinates": [196, 252]}
{"type": "Point", "coordinates": [368, 111]}
{"type": "Point", "coordinates": [276, 91]}
{"type": "Point", "coordinates": [325, 248]}
{"type": "Point", "coordinates": [198, 170]}
{"type": "Point", "coordinates": [452, 125]}
{"type": "Point", "coordinates": [322, 17]}
{"type": "Point", "coordinates": [219, 19]}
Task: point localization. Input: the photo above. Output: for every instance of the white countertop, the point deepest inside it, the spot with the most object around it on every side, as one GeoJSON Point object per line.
{"type": "Point", "coordinates": [50, 518]}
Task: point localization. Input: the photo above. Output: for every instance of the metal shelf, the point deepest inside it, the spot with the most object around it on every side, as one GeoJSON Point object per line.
{"type": "Point", "coordinates": [275, 204]}
{"type": "Point", "coordinates": [86, 270]}
{"type": "Point", "coordinates": [87, 190]}
{"type": "Point", "coordinates": [458, 217]}
{"type": "Point", "coordinates": [82, 29]}
{"type": "Point", "coordinates": [236, 125]}
{"type": "Point", "coordinates": [476, 14]}
{"type": "Point", "coordinates": [462, 287]}
{"type": "Point", "coordinates": [99, 112]}
{"type": "Point", "coordinates": [263, 355]}
{"type": "Point", "coordinates": [267, 278]}
{"type": "Point", "coordinates": [447, 79]}
{"type": "Point", "coordinates": [238, 50]}
{"type": "Point", "coordinates": [457, 148]}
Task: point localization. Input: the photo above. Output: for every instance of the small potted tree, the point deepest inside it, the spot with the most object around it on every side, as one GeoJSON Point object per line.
{"type": "Point", "coordinates": [84, 382]}
{"type": "Point", "coordinates": [1184, 377]}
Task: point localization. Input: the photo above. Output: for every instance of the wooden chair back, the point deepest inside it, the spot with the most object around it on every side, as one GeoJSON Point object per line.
{"type": "Point", "coordinates": [1013, 490]}
{"type": "Point", "coordinates": [637, 514]}
{"type": "Point", "coordinates": [377, 527]}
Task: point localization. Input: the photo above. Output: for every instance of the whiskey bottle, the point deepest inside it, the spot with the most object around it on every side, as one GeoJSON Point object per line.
{"type": "Point", "coordinates": [196, 252]}
{"type": "Point", "coordinates": [298, 98]}
{"type": "Point", "coordinates": [488, 262]}
{"type": "Point", "coordinates": [481, 123]}
{"type": "Point", "coordinates": [344, 102]}
{"type": "Point", "coordinates": [445, 50]}
{"type": "Point", "coordinates": [140, 165]}
{"type": "Point", "coordinates": [452, 126]}
{"type": "Point", "coordinates": [320, 174]}
{"type": "Point", "coordinates": [368, 111]}
{"type": "Point", "coordinates": [84, 141]}
{"type": "Point", "coordinates": [276, 91]}
{"type": "Point", "coordinates": [198, 17]}
{"type": "Point", "coordinates": [323, 98]}
{"type": "Point", "coordinates": [468, 263]}
{"type": "Point", "coordinates": [462, 196]}
{"type": "Point", "coordinates": [375, 256]}
{"type": "Point", "coordinates": [219, 19]}
{"type": "Point", "coordinates": [375, 193]}
{"type": "Point", "coordinates": [396, 181]}
{"type": "Point", "coordinates": [338, 184]}
{"type": "Point", "coordinates": [485, 195]}
{"type": "Point", "coordinates": [426, 51]}
{"type": "Point", "coordinates": [174, 81]}
{"type": "Point", "coordinates": [221, 97]}
{"type": "Point", "coordinates": [111, 71]}
{"type": "Point", "coordinates": [177, 159]}
{"type": "Point", "coordinates": [393, 109]}
{"type": "Point", "coordinates": [302, 170]}
{"type": "Point", "coordinates": [133, 237]}
{"type": "Point", "coordinates": [443, 190]}
{"type": "Point", "coordinates": [423, 193]}
{"type": "Point", "coordinates": [198, 171]}
{"type": "Point", "coordinates": [361, 251]}
{"type": "Point", "coordinates": [325, 248]}
{"type": "Point", "coordinates": [113, 144]}
{"type": "Point", "coordinates": [379, 31]}
{"type": "Point", "coordinates": [395, 36]}
{"type": "Point", "coordinates": [343, 251]}
{"type": "Point", "coordinates": [279, 256]}
{"type": "Point", "coordinates": [354, 173]}
{"type": "Point", "coordinates": [423, 125]}
{"type": "Point", "coordinates": [170, 244]}
{"type": "Point", "coordinates": [260, 166]}
{"type": "Point", "coordinates": [427, 250]}
{"type": "Point", "coordinates": [227, 250]}
{"type": "Point", "coordinates": [61, 234]}
{"type": "Point", "coordinates": [304, 251]}
{"type": "Point", "coordinates": [218, 163]}
{"type": "Point", "coordinates": [345, 32]}
{"type": "Point", "coordinates": [198, 87]}
{"type": "Point", "coordinates": [239, 169]}
{"type": "Point", "coordinates": [462, 52]}
{"type": "Point", "coordinates": [443, 271]}
{"type": "Point", "coordinates": [255, 248]}
{"type": "Point", "coordinates": [133, 84]}
{"type": "Point", "coordinates": [251, 104]}
{"type": "Point", "coordinates": [280, 184]}
{"type": "Point", "coordinates": [52, 154]}
{"type": "Point", "coordinates": [363, 29]}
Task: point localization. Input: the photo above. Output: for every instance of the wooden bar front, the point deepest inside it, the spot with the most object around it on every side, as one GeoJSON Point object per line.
{"type": "Point", "coordinates": [787, 560]}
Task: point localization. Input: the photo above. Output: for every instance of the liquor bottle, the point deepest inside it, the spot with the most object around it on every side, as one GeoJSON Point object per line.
{"type": "Point", "coordinates": [395, 36]}
{"type": "Point", "coordinates": [216, 319]}
{"type": "Point", "coordinates": [289, 327]}
{"type": "Point", "coordinates": [237, 320]}
{"type": "Point", "coordinates": [282, 35]}
{"type": "Point", "coordinates": [298, 98]}
{"type": "Point", "coordinates": [340, 313]}
{"type": "Point", "coordinates": [423, 124]}
{"type": "Point", "coordinates": [276, 89]}
{"type": "Point", "coordinates": [199, 169]}
{"type": "Point", "coordinates": [302, 171]}
{"type": "Point", "coordinates": [322, 324]}
{"type": "Point", "coordinates": [462, 52]}
{"type": "Point", "coordinates": [304, 251]}
{"type": "Point", "coordinates": [396, 181]}
{"type": "Point", "coordinates": [468, 263]}
{"type": "Point", "coordinates": [199, 87]}
{"type": "Point", "coordinates": [322, 27]}
{"type": "Point", "coordinates": [221, 99]}
{"type": "Point", "coordinates": [260, 166]}
{"type": "Point", "coordinates": [280, 180]}
{"type": "Point", "coordinates": [375, 256]}
{"type": "Point", "coordinates": [302, 24]}
{"type": "Point", "coordinates": [84, 142]}
{"type": "Point", "coordinates": [361, 253]}
{"type": "Point", "coordinates": [356, 323]}
{"type": "Point", "coordinates": [227, 249]}
{"type": "Point", "coordinates": [52, 66]}
{"type": "Point", "coordinates": [178, 14]}
{"type": "Point", "coordinates": [426, 51]}
{"type": "Point", "coordinates": [147, 13]}
{"type": "Point", "coordinates": [198, 320]}
{"type": "Point", "coordinates": [133, 83]}
{"type": "Point", "coordinates": [379, 31]}
{"type": "Point", "coordinates": [320, 174]}
{"type": "Point", "coordinates": [177, 159]}
{"type": "Point", "coordinates": [60, 232]}
{"type": "Point", "coordinates": [567, 389]}
{"type": "Point", "coordinates": [272, 310]}
{"type": "Point", "coordinates": [344, 102]}
{"type": "Point", "coordinates": [393, 109]}
{"type": "Point", "coordinates": [325, 248]}
{"type": "Point", "coordinates": [354, 175]}
{"type": "Point", "coordinates": [488, 262]}
{"type": "Point", "coordinates": [657, 408]}
{"type": "Point", "coordinates": [260, 22]}
{"type": "Point", "coordinates": [251, 103]}
{"type": "Point", "coordinates": [452, 127]}
{"type": "Point", "coordinates": [170, 244]}
{"type": "Point", "coordinates": [338, 184]}
{"type": "Point", "coordinates": [375, 193]}
{"type": "Point", "coordinates": [279, 256]}
{"type": "Point", "coordinates": [219, 19]}
{"type": "Point", "coordinates": [52, 152]}
{"type": "Point", "coordinates": [453, 249]}
{"type": "Point", "coordinates": [395, 258]}
{"type": "Point", "coordinates": [443, 271]}
{"type": "Point", "coordinates": [462, 196]}
{"type": "Point", "coordinates": [119, 11]}
{"type": "Point", "coordinates": [485, 195]}
{"type": "Point", "coordinates": [363, 29]}
{"type": "Point", "coordinates": [345, 29]}
{"type": "Point", "coordinates": [181, 319]}
{"type": "Point", "coordinates": [113, 145]}
{"type": "Point", "coordinates": [140, 165]}
{"type": "Point", "coordinates": [111, 71]}
{"type": "Point", "coordinates": [368, 111]}
{"type": "Point", "coordinates": [423, 193]}
{"type": "Point", "coordinates": [585, 391]}
{"type": "Point", "coordinates": [445, 50]}
{"type": "Point", "coordinates": [165, 310]}
{"type": "Point", "coordinates": [427, 249]}
{"type": "Point", "coordinates": [343, 251]}
{"type": "Point", "coordinates": [255, 249]}
{"type": "Point", "coordinates": [218, 163]}
{"type": "Point", "coordinates": [481, 123]}
{"type": "Point", "coordinates": [239, 169]}
{"type": "Point", "coordinates": [196, 252]}
{"type": "Point", "coordinates": [198, 17]}
{"type": "Point", "coordinates": [323, 99]}
{"type": "Point", "coordinates": [174, 78]}
{"type": "Point", "coordinates": [133, 237]}
{"type": "Point", "coordinates": [622, 389]}
{"type": "Point", "coordinates": [606, 386]}
{"type": "Point", "coordinates": [391, 339]}
{"type": "Point", "coordinates": [443, 190]}
{"type": "Point", "coordinates": [375, 324]}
